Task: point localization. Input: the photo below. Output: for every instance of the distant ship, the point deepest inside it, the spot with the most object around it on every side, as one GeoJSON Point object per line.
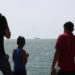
{"type": "Point", "coordinates": [37, 38]}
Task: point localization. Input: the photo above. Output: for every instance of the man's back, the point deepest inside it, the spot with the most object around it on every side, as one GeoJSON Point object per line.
{"type": "Point", "coordinates": [67, 53]}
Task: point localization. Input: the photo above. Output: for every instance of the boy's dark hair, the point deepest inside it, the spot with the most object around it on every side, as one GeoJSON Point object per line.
{"type": "Point", "coordinates": [21, 41]}
{"type": "Point", "coordinates": [69, 26]}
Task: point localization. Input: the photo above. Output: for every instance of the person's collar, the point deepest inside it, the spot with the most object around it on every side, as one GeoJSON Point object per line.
{"type": "Point", "coordinates": [70, 33]}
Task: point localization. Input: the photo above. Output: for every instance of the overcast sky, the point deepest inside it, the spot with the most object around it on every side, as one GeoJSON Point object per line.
{"type": "Point", "coordinates": [37, 18]}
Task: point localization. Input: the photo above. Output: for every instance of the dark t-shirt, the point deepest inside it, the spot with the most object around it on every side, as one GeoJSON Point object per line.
{"type": "Point", "coordinates": [3, 26]}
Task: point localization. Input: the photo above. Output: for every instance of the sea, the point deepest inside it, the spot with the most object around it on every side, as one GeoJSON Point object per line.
{"type": "Point", "coordinates": [41, 52]}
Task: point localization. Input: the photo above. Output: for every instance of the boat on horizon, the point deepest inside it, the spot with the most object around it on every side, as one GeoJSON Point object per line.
{"type": "Point", "coordinates": [36, 38]}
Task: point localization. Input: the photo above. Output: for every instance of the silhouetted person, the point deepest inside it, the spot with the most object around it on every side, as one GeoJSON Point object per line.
{"type": "Point", "coordinates": [20, 57]}
{"type": "Point", "coordinates": [65, 52]}
{"type": "Point", "coordinates": [4, 31]}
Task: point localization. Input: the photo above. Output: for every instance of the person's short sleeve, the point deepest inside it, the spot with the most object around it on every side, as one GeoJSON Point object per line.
{"type": "Point", "coordinates": [59, 42]}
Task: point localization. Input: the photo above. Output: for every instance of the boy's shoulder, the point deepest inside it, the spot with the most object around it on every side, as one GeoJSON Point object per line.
{"type": "Point", "coordinates": [23, 51]}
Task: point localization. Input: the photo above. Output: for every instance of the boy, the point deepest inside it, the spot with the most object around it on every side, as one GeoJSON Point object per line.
{"type": "Point", "coordinates": [20, 57]}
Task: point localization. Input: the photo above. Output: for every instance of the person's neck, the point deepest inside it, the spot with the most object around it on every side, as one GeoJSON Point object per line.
{"type": "Point", "coordinates": [20, 47]}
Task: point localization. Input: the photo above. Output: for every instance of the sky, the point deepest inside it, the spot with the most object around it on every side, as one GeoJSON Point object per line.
{"type": "Point", "coordinates": [37, 18]}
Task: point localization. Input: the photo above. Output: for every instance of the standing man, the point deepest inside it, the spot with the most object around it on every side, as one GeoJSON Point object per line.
{"type": "Point", "coordinates": [65, 52]}
{"type": "Point", "coordinates": [4, 31]}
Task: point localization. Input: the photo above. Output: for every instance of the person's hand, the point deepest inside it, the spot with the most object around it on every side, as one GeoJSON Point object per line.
{"type": "Point", "coordinates": [27, 55]}
{"type": "Point", "coordinates": [7, 33]}
{"type": "Point", "coordinates": [53, 72]}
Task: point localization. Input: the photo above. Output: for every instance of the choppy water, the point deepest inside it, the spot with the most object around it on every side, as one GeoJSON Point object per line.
{"type": "Point", "coordinates": [41, 53]}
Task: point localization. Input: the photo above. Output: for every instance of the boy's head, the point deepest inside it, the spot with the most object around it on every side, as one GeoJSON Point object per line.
{"type": "Point", "coordinates": [69, 26]}
{"type": "Point", "coordinates": [20, 41]}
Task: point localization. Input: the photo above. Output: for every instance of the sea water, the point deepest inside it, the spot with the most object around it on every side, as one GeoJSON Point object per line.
{"type": "Point", "coordinates": [41, 52]}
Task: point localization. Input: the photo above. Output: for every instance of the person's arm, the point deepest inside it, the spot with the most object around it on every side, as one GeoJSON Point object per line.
{"type": "Point", "coordinates": [58, 47]}
{"type": "Point", "coordinates": [24, 56]}
{"type": "Point", "coordinates": [12, 54]}
{"type": "Point", "coordinates": [56, 56]}
{"type": "Point", "coordinates": [7, 33]}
